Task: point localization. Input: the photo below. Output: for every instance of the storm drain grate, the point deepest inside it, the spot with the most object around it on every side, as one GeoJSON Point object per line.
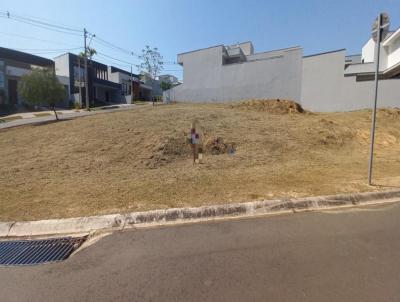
{"type": "Point", "coordinates": [30, 252]}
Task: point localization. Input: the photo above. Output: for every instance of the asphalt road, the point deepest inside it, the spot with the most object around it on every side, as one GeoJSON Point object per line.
{"type": "Point", "coordinates": [336, 256]}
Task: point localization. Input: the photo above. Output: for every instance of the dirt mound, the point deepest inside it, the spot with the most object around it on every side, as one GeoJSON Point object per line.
{"type": "Point", "coordinates": [395, 112]}
{"type": "Point", "coordinates": [329, 133]}
{"type": "Point", "coordinates": [177, 148]}
{"type": "Point", "coordinates": [168, 151]}
{"type": "Point", "coordinates": [381, 139]}
{"type": "Point", "coordinates": [275, 106]}
{"type": "Point", "coordinates": [217, 146]}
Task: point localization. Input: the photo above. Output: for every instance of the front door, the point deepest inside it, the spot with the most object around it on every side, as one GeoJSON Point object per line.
{"type": "Point", "coordinates": [107, 97]}
{"type": "Point", "coordinates": [12, 92]}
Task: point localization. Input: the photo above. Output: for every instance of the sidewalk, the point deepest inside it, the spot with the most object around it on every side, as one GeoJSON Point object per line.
{"type": "Point", "coordinates": [24, 115]}
{"type": "Point", "coordinates": [26, 118]}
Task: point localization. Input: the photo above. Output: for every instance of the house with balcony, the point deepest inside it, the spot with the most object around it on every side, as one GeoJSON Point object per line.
{"type": "Point", "coordinates": [101, 89]}
{"type": "Point", "coordinates": [13, 65]}
{"type": "Point", "coordinates": [389, 61]}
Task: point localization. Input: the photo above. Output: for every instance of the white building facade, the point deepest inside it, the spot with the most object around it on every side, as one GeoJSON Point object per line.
{"type": "Point", "coordinates": [328, 81]}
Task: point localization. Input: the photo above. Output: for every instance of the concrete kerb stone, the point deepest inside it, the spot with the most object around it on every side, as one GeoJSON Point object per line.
{"type": "Point", "coordinates": [159, 217]}
{"type": "Point", "coordinates": [66, 226]}
{"type": "Point", "coordinates": [5, 228]}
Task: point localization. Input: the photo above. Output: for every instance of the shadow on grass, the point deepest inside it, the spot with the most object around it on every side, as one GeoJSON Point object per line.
{"type": "Point", "coordinates": [385, 186]}
{"type": "Point", "coordinates": [50, 122]}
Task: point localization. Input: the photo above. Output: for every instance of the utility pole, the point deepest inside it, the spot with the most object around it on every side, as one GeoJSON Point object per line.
{"type": "Point", "coordinates": [86, 71]}
{"type": "Point", "coordinates": [131, 85]}
{"type": "Point", "coordinates": [379, 31]}
{"type": "Point", "coordinates": [80, 81]}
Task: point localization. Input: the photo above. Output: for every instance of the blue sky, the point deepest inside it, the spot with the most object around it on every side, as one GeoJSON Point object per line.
{"type": "Point", "coordinates": [176, 26]}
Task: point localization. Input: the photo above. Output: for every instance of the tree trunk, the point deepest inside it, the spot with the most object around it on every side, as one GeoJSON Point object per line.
{"type": "Point", "coordinates": [55, 113]}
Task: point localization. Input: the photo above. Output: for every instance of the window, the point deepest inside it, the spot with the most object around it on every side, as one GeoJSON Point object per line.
{"type": "Point", "coordinates": [79, 73]}
{"type": "Point", "coordinates": [101, 74]}
{"type": "Point", "coordinates": [124, 88]}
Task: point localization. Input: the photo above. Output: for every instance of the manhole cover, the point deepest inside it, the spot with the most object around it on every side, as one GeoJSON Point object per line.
{"type": "Point", "coordinates": [30, 252]}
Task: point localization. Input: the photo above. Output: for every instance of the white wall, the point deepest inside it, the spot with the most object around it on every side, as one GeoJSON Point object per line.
{"type": "Point", "coordinates": [394, 53]}
{"type": "Point", "coordinates": [325, 88]}
{"type": "Point", "coordinates": [317, 82]}
{"type": "Point", "coordinates": [114, 76]}
{"type": "Point", "coordinates": [62, 65]}
{"type": "Point", "coordinates": [368, 51]}
{"type": "Point", "coordinates": [205, 79]}
{"type": "Point", "coordinates": [63, 80]}
{"type": "Point", "coordinates": [321, 77]}
{"type": "Point", "coordinates": [368, 54]}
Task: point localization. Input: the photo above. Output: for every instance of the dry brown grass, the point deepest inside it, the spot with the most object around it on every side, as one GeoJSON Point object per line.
{"type": "Point", "coordinates": [139, 159]}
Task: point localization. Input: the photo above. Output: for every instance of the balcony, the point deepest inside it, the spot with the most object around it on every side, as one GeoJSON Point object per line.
{"type": "Point", "coordinates": [233, 54]}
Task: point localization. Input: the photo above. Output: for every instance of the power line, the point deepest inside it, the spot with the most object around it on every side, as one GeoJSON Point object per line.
{"type": "Point", "coordinates": [54, 28]}
{"type": "Point", "coordinates": [48, 49]}
{"type": "Point", "coordinates": [110, 57]}
{"type": "Point", "coordinates": [110, 62]}
{"type": "Point", "coordinates": [112, 46]}
{"type": "Point", "coordinates": [38, 21]}
{"type": "Point", "coordinates": [46, 24]}
{"type": "Point", "coordinates": [43, 21]}
{"type": "Point", "coordinates": [34, 38]}
{"type": "Point", "coordinates": [126, 51]}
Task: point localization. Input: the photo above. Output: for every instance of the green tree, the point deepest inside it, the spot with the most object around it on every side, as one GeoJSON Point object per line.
{"type": "Point", "coordinates": [42, 87]}
{"type": "Point", "coordinates": [91, 53]}
{"type": "Point", "coordinates": [165, 86]}
{"type": "Point", "coordinates": [151, 62]}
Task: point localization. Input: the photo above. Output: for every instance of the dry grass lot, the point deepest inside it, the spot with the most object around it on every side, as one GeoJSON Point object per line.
{"type": "Point", "coordinates": [139, 159]}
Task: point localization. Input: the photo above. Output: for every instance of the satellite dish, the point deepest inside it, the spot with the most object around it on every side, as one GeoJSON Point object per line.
{"type": "Point", "coordinates": [385, 23]}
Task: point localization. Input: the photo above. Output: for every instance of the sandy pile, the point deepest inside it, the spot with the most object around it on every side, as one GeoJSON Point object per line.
{"type": "Point", "coordinates": [216, 146]}
{"type": "Point", "coordinates": [168, 150]}
{"type": "Point", "coordinates": [271, 106]}
{"type": "Point", "coordinates": [179, 148]}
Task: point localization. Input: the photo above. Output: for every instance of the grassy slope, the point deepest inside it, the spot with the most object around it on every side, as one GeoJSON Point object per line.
{"type": "Point", "coordinates": [137, 160]}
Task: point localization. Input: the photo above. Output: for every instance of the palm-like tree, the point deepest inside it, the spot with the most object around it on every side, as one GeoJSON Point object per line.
{"type": "Point", "coordinates": [90, 51]}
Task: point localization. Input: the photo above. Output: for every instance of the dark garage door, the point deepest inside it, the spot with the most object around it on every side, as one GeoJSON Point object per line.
{"type": "Point", "coordinates": [12, 92]}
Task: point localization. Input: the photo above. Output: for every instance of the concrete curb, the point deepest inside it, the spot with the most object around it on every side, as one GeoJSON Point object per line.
{"type": "Point", "coordinates": [167, 216]}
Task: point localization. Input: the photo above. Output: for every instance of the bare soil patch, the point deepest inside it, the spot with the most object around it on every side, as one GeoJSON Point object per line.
{"type": "Point", "coordinates": [271, 106]}
{"type": "Point", "coordinates": [140, 159]}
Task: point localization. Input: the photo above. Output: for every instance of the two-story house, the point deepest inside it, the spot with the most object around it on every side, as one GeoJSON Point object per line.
{"type": "Point", "coordinates": [101, 89]}
{"type": "Point", "coordinates": [13, 65]}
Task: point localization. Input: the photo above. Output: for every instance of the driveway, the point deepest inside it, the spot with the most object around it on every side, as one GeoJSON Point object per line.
{"type": "Point", "coordinates": [333, 256]}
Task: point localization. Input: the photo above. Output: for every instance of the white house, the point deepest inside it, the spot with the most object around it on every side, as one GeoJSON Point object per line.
{"type": "Point", "coordinates": [168, 78]}
{"type": "Point", "coordinates": [389, 54]}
